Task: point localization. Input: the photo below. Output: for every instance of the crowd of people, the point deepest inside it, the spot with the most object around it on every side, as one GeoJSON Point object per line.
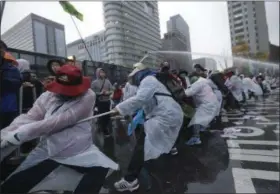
{"type": "Point", "coordinates": [161, 103]}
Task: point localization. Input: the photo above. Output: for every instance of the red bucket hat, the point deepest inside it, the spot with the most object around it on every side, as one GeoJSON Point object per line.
{"type": "Point", "coordinates": [69, 81]}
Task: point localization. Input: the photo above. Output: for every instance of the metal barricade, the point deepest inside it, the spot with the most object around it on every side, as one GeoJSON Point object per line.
{"type": "Point", "coordinates": [18, 155]}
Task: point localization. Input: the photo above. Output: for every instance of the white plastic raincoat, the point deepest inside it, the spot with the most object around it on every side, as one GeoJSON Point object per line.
{"type": "Point", "coordinates": [23, 65]}
{"type": "Point", "coordinates": [129, 91]}
{"type": "Point", "coordinates": [218, 94]}
{"type": "Point", "coordinates": [252, 86]}
{"type": "Point", "coordinates": [235, 85]}
{"type": "Point", "coordinates": [164, 116]}
{"type": "Point", "coordinates": [266, 85]}
{"type": "Point", "coordinates": [62, 139]}
{"type": "Point", "coordinates": [205, 101]}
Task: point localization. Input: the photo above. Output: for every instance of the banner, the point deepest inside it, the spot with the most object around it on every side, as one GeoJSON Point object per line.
{"type": "Point", "coordinates": [69, 8]}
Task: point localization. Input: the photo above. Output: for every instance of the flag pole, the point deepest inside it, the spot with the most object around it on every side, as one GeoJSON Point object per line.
{"type": "Point", "coordinates": [81, 38]}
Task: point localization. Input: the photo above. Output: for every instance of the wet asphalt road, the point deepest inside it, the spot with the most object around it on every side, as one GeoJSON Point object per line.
{"type": "Point", "coordinates": [242, 158]}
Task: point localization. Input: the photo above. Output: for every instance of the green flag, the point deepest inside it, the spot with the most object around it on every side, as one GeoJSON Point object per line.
{"type": "Point", "coordinates": [69, 8]}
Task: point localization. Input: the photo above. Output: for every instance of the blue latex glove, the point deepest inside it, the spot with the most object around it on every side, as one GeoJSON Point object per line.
{"type": "Point", "coordinates": [138, 119]}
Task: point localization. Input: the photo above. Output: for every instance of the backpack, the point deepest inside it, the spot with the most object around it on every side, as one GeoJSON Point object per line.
{"type": "Point", "coordinates": [172, 85]}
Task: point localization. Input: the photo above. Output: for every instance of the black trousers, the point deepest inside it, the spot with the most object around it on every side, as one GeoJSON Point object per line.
{"type": "Point", "coordinates": [137, 160]}
{"type": "Point", "coordinates": [24, 181]}
{"type": "Point", "coordinates": [104, 121]}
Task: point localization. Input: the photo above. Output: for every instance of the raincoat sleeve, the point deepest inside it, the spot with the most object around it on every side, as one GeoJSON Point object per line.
{"type": "Point", "coordinates": [58, 122]}
{"type": "Point", "coordinates": [194, 88]}
{"type": "Point", "coordinates": [36, 113]}
{"type": "Point", "coordinates": [144, 94]}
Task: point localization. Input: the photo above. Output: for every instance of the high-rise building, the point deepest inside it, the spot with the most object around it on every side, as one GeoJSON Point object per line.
{"type": "Point", "coordinates": [177, 38]}
{"type": "Point", "coordinates": [132, 29]}
{"type": "Point", "coordinates": [37, 34]}
{"type": "Point", "coordinates": [248, 24]}
{"type": "Point", "coordinates": [95, 44]}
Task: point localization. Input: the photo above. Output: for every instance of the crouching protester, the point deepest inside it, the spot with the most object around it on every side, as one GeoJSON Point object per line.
{"type": "Point", "coordinates": [163, 120]}
{"type": "Point", "coordinates": [219, 95]}
{"type": "Point", "coordinates": [54, 117]}
{"type": "Point", "coordinates": [206, 104]}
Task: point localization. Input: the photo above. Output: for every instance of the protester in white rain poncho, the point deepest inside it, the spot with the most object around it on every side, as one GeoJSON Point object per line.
{"type": "Point", "coordinates": [235, 85]}
{"type": "Point", "coordinates": [252, 86]}
{"type": "Point", "coordinates": [218, 94]}
{"type": "Point", "coordinates": [129, 90]}
{"type": "Point", "coordinates": [266, 85]}
{"type": "Point", "coordinates": [206, 104]}
{"type": "Point", "coordinates": [245, 89]}
{"type": "Point", "coordinates": [63, 142]}
{"type": "Point", "coordinates": [164, 118]}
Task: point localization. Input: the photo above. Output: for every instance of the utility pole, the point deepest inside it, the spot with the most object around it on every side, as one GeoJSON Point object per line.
{"type": "Point", "coordinates": [2, 6]}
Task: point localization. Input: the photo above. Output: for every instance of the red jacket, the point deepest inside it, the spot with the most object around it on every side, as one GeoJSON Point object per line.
{"type": "Point", "coordinates": [117, 94]}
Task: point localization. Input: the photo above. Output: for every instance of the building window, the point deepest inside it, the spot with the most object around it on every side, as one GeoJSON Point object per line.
{"type": "Point", "coordinates": [238, 25]}
{"type": "Point", "coordinates": [60, 42]}
{"type": "Point", "coordinates": [40, 37]}
{"type": "Point", "coordinates": [239, 31]}
{"type": "Point", "coordinates": [51, 40]}
{"type": "Point", "coordinates": [239, 11]}
{"type": "Point", "coordinates": [148, 8]}
{"type": "Point", "coordinates": [246, 21]}
{"type": "Point", "coordinates": [236, 5]}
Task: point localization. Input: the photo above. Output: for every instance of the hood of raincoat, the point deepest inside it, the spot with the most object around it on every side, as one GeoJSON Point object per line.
{"type": "Point", "coordinates": [97, 73]}
{"type": "Point", "coordinates": [23, 65]}
{"type": "Point", "coordinates": [139, 76]}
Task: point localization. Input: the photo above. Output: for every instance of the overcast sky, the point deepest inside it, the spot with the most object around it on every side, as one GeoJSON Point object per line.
{"type": "Point", "coordinates": [208, 21]}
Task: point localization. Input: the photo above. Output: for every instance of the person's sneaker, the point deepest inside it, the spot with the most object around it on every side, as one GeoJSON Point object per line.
{"type": "Point", "coordinates": [174, 151]}
{"type": "Point", "coordinates": [123, 185]}
{"type": "Point", "coordinates": [194, 141]}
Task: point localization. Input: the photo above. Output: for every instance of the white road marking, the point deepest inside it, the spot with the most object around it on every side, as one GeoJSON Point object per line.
{"type": "Point", "coordinates": [243, 178]}
{"type": "Point", "coordinates": [237, 131]}
{"type": "Point", "coordinates": [242, 181]}
{"type": "Point", "coordinates": [236, 143]}
{"type": "Point", "coordinates": [262, 108]}
{"type": "Point", "coordinates": [255, 158]}
{"type": "Point", "coordinates": [267, 123]}
{"type": "Point", "coordinates": [254, 152]}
